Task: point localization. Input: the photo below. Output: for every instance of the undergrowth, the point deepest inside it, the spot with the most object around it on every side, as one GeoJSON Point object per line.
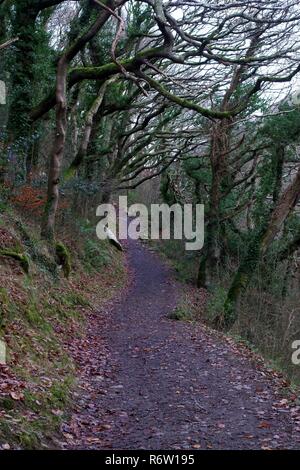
{"type": "Point", "coordinates": [42, 311]}
{"type": "Point", "coordinates": [269, 319]}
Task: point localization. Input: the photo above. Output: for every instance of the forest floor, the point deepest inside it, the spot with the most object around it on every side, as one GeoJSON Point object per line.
{"type": "Point", "coordinates": [149, 382]}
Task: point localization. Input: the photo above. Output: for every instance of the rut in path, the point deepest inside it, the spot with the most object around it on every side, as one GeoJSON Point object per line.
{"type": "Point", "coordinates": [164, 384]}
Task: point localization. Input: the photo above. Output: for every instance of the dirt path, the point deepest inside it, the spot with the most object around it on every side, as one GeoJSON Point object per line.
{"type": "Point", "coordinates": [155, 383]}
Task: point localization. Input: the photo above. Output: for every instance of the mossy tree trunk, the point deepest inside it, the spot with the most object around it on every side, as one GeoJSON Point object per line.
{"type": "Point", "coordinates": [48, 222]}
{"type": "Point", "coordinates": [220, 145]}
{"type": "Point", "coordinates": [106, 193]}
{"type": "Point", "coordinates": [220, 151]}
{"type": "Point", "coordinates": [258, 246]}
{"type": "Point", "coordinates": [241, 281]}
{"type": "Point", "coordinates": [89, 121]}
{"type": "Point", "coordinates": [22, 77]}
{"type": "Point", "coordinates": [278, 163]}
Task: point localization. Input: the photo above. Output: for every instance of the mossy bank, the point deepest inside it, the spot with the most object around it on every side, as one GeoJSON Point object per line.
{"type": "Point", "coordinates": [45, 299]}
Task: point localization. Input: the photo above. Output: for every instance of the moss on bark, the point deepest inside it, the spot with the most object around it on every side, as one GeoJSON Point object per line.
{"type": "Point", "coordinates": [20, 257]}
{"type": "Point", "coordinates": [64, 258]}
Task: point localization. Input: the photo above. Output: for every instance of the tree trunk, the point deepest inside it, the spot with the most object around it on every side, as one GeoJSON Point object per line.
{"type": "Point", "coordinates": [106, 193]}
{"type": "Point", "coordinates": [48, 223]}
{"type": "Point", "coordinates": [8, 43]}
{"type": "Point", "coordinates": [22, 77]}
{"type": "Point", "coordinates": [279, 154]}
{"type": "Point", "coordinates": [220, 145]}
{"type": "Point", "coordinates": [257, 248]}
{"type": "Point", "coordinates": [82, 152]}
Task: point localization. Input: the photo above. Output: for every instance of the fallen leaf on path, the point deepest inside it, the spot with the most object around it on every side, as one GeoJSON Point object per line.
{"type": "Point", "coordinates": [264, 425]}
{"type": "Point", "coordinates": [68, 436]}
{"type": "Point", "coordinates": [93, 440]}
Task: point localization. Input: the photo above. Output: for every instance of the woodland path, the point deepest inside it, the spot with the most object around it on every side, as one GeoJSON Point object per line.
{"type": "Point", "coordinates": [155, 383]}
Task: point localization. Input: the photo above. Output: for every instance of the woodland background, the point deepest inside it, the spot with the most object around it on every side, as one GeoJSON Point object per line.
{"type": "Point", "coordinates": [166, 101]}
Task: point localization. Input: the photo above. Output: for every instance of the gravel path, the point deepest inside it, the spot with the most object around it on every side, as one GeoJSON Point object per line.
{"type": "Point", "coordinates": [155, 383]}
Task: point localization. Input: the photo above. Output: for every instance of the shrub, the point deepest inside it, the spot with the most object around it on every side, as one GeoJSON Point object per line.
{"type": "Point", "coordinates": [97, 254]}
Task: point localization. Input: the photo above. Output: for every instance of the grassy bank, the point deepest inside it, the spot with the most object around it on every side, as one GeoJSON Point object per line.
{"type": "Point", "coordinates": [42, 312]}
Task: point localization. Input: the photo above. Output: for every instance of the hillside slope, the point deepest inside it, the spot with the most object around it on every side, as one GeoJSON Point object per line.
{"type": "Point", "coordinates": [42, 315]}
